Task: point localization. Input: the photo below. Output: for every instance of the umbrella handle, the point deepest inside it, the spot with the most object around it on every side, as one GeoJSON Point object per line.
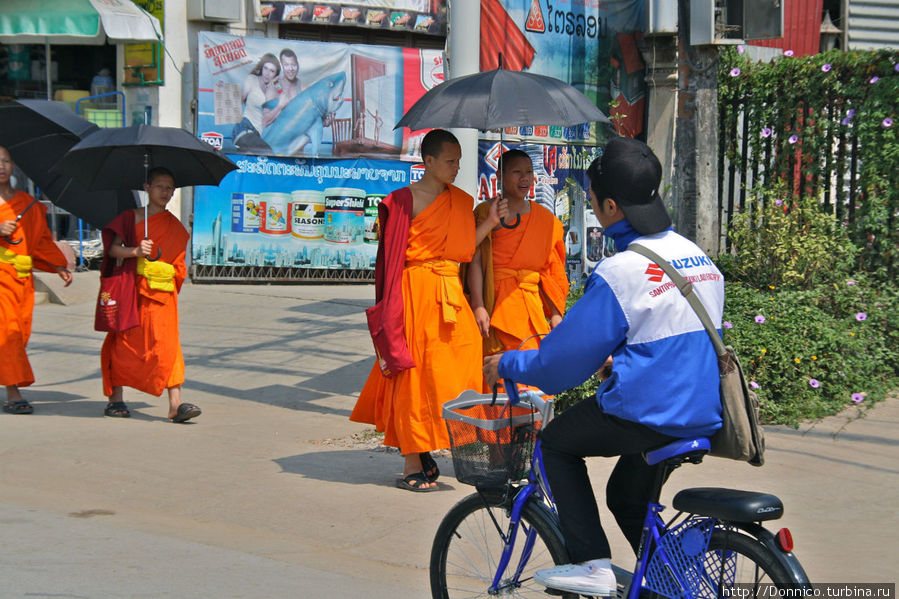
{"type": "Point", "coordinates": [158, 255]}
{"type": "Point", "coordinates": [10, 241]}
{"type": "Point", "coordinates": [18, 218]}
{"type": "Point", "coordinates": [502, 221]}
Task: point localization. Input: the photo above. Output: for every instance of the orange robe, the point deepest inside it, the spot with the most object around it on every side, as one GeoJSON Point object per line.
{"type": "Point", "coordinates": [440, 331]}
{"type": "Point", "coordinates": [524, 277]}
{"type": "Point", "coordinates": [148, 357]}
{"type": "Point", "coordinates": [17, 293]}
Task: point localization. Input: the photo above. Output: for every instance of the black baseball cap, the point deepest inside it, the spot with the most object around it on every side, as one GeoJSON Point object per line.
{"type": "Point", "coordinates": [630, 174]}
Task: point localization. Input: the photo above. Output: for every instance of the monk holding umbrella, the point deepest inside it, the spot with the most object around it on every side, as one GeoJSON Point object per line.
{"type": "Point", "coordinates": [153, 243]}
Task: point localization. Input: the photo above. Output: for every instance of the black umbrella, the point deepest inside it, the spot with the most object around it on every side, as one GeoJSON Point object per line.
{"type": "Point", "coordinates": [500, 98]}
{"type": "Point", "coordinates": [121, 157]}
{"type": "Point", "coordinates": [38, 133]}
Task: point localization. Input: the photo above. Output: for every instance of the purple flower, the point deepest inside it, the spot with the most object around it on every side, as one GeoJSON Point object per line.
{"type": "Point", "coordinates": [788, 53]}
{"type": "Point", "coordinates": [760, 319]}
{"type": "Point", "coordinates": [851, 282]}
{"type": "Point", "coordinates": [778, 202]}
{"type": "Point", "coordinates": [727, 325]}
{"type": "Point", "coordinates": [734, 72]}
{"type": "Point", "coordinates": [813, 383]}
{"type": "Point", "coordinates": [861, 316]}
{"type": "Point", "coordinates": [887, 122]}
{"type": "Point", "coordinates": [825, 67]}
{"type": "Point", "coordinates": [851, 113]}
{"type": "Point", "coordinates": [754, 385]}
{"type": "Point", "coordinates": [740, 49]}
{"type": "Point", "coordinates": [846, 121]}
{"type": "Point", "coordinates": [858, 397]}
{"type": "Point", "coordinates": [874, 79]}
{"type": "Point", "coordinates": [793, 138]}
{"type": "Point", "coordinates": [896, 67]}
{"type": "Point", "coordinates": [766, 132]}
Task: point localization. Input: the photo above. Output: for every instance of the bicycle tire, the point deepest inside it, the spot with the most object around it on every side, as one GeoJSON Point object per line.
{"type": "Point", "coordinates": [747, 563]}
{"type": "Point", "coordinates": [467, 547]}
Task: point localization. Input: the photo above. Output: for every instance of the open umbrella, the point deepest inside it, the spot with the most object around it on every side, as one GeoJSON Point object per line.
{"type": "Point", "coordinates": [38, 133]}
{"type": "Point", "coordinates": [500, 98]}
{"type": "Point", "coordinates": [121, 157]}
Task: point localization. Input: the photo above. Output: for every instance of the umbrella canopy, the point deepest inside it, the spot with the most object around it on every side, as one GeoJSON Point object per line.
{"type": "Point", "coordinates": [501, 98]}
{"type": "Point", "coordinates": [75, 22]}
{"type": "Point", "coordinates": [38, 133]}
{"type": "Point", "coordinates": [119, 158]}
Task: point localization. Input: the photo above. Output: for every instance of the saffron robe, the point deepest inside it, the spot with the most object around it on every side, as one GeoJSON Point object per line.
{"type": "Point", "coordinates": [518, 264]}
{"type": "Point", "coordinates": [148, 357]}
{"type": "Point", "coordinates": [17, 293]}
{"type": "Point", "coordinates": [440, 330]}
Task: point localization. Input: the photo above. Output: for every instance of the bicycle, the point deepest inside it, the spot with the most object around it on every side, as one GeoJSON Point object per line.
{"type": "Point", "coordinates": [491, 542]}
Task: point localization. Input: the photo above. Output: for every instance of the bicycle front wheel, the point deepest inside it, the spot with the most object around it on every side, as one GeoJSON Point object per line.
{"type": "Point", "coordinates": [470, 541]}
{"type": "Point", "coordinates": [735, 559]}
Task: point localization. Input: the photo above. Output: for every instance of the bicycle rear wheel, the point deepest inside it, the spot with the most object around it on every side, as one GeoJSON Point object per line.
{"type": "Point", "coordinates": [737, 559]}
{"type": "Point", "coordinates": [470, 541]}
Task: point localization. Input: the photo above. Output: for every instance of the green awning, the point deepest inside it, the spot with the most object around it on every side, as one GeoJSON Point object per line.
{"type": "Point", "coordinates": [75, 22]}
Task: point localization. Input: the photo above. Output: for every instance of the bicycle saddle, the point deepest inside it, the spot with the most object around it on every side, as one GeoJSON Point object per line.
{"type": "Point", "coordinates": [729, 504]}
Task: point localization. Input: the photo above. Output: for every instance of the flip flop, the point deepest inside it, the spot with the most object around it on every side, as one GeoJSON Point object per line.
{"type": "Point", "coordinates": [18, 407]}
{"type": "Point", "coordinates": [117, 409]}
{"type": "Point", "coordinates": [186, 411]}
{"type": "Point", "coordinates": [419, 478]}
{"type": "Point", "coordinates": [429, 466]}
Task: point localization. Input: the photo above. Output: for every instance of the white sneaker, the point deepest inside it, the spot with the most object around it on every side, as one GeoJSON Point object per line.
{"type": "Point", "coordinates": [589, 578]}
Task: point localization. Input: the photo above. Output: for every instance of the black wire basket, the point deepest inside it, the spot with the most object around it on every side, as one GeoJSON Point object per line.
{"type": "Point", "coordinates": [492, 442]}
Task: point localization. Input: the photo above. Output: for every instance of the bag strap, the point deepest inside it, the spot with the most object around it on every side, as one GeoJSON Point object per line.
{"type": "Point", "coordinates": [686, 289]}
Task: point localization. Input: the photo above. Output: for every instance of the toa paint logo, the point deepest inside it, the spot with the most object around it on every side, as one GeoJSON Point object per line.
{"type": "Point", "coordinates": [416, 172]}
{"type": "Point", "coordinates": [213, 139]}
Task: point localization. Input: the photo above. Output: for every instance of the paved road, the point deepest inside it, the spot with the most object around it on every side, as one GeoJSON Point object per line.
{"type": "Point", "coordinates": [267, 495]}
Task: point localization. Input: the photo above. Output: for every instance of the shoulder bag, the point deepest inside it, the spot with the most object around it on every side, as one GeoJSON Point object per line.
{"type": "Point", "coordinates": [740, 437]}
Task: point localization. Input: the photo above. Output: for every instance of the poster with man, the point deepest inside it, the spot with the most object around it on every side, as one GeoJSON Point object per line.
{"type": "Point", "coordinates": [275, 97]}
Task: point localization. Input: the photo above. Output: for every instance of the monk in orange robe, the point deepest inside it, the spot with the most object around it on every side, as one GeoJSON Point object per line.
{"type": "Point", "coordinates": [517, 277]}
{"type": "Point", "coordinates": [25, 243]}
{"type": "Point", "coordinates": [438, 326]}
{"type": "Point", "coordinates": [148, 357]}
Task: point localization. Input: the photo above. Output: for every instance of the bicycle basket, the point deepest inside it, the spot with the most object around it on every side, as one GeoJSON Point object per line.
{"type": "Point", "coordinates": [491, 443]}
{"type": "Point", "coordinates": [685, 548]}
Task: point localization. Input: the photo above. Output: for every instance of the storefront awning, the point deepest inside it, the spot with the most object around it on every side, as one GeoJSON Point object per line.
{"type": "Point", "coordinates": [76, 22]}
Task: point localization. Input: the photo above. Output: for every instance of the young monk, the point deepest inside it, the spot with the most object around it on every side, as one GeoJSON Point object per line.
{"type": "Point", "coordinates": [517, 276]}
{"type": "Point", "coordinates": [148, 357]}
{"type": "Point", "coordinates": [24, 244]}
{"type": "Point", "coordinates": [426, 338]}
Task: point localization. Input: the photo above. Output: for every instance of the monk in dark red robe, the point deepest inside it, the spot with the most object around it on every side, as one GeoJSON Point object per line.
{"type": "Point", "coordinates": [440, 354]}
{"type": "Point", "coordinates": [148, 357]}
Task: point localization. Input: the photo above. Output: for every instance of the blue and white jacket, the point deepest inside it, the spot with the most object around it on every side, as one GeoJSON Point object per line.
{"type": "Point", "coordinates": [665, 372]}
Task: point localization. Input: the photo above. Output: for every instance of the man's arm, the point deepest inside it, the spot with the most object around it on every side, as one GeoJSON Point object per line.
{"type": "Point", "coordinates": [574, 350]}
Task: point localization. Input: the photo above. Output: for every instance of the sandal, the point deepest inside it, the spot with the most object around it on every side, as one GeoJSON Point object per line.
{"type": "Point", "coordinates": [18, 407]}
{"type": "Point", "coordinates": [414, 482]}
{"type": "Point", "coordinates": [186, 411]}
{"type": "Point", "coordinates": [429, 466]}
{"type": "Point", "coordinates": [117, 409]}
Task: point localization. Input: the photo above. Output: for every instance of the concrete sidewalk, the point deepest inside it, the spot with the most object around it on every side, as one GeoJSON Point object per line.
{"type": "Point", "coordinates": [267, 494]}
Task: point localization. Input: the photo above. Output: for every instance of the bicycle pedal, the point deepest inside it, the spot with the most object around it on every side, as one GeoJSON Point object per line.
{"type": "Point", "coordinates": [558, 593]}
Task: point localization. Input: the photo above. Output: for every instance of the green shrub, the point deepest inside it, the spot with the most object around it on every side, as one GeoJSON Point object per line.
{"type": "Point", "coordinates": [813, 352]}
{"type": "Point", "coordinates": [787, 242]}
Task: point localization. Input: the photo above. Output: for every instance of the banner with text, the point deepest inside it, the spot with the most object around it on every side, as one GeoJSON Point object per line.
{"type": "Point", "coordinates": [590, 45]}
{"type": "Point", "coordinates": [420, 16]}
{"type": "Point", "coordinates": [295, 212]}
{"type": "Point", "coordinates": [277, 97]}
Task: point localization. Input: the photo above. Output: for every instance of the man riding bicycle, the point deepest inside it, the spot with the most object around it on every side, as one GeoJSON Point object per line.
{"type": "Point", "coordinates": [664, 380]}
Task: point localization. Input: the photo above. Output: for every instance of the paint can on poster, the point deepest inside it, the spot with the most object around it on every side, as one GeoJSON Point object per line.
{"type": "Point", "coordinates": [307, 214]}
{"type": "Point", "coordinates": [274, 213]}
{"type": "Point", "coordinates": [245, 213]}
{"type": "Point", "coordinates": [372, 201]}
{"type": "Point", "coordinates": [344, 215]}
